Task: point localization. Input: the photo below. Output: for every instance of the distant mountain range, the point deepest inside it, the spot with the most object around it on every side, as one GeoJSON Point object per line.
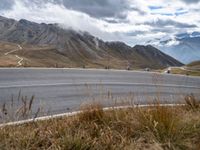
{"type": "Point", "coordinates": [81, 48]}
{"type": "Point", "coordinates": [184, 47]}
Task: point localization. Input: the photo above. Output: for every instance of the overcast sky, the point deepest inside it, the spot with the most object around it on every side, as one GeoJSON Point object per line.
{"type": "Point", "coordinates": [131, 21]}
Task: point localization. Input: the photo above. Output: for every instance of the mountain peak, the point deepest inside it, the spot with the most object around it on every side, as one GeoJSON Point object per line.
{"type": "Point", "coordinates": [81, 47]}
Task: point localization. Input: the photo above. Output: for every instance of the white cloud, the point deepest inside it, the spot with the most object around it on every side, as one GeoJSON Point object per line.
{"type": "Point", "coordinates": [172, 42]}
{"type": "Point", "coordinates": [139, 13]}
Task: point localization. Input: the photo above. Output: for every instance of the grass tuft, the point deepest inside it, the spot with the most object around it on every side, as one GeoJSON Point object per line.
{"type": "Point", "coordinates": [192, 103]}
{"type": "Point", "coordinates": [91, 113]}
{"type": "Point", "coordinates": [162, 123]}
{"type": "Point", "coordinates": [10, 112]}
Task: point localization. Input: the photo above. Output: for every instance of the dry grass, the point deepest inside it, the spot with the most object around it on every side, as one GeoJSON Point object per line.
{"type": "Point", "coordinates": [186, 72]}
{"type": "Point", "coordinates": [192, 103]}
{"type": "Point", "coordinates": [48, 56]}
{"type": "Point", "coordinates": [195, 64]}
{"type": "Point", "coordinates": [11, 112]}
{"type": "Point", "coordinates": [154, 127]}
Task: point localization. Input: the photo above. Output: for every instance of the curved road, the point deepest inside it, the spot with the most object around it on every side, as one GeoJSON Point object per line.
{"type": "Point", "coordinates": [19, 58]}
{"type": "Point", "coordinates": [63, 90]}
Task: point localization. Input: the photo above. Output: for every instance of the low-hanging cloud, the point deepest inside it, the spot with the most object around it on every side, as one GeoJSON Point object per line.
{"type": "Point", "coordinates": [174, 24]}
{"type": "Point", "coordinates": [57, 13]}
{"type": "Point", "coordinates": [131, 21]}
{"type": "Point", "coordinates": [99, 8]}
{"type": "Point", "coordinates": [94, 8]}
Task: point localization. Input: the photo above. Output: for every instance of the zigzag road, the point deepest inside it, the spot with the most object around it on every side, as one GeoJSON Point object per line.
{"type": "Point", "coordinates": [19, 58]}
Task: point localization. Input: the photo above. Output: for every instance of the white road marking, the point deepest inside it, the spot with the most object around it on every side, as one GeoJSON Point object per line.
{"type": "Point", "coordinates": [70, 114]}
{"type": "Point", "coordinates": [95, 83]}
{"type": "Point", "coordinates": [95, 69]}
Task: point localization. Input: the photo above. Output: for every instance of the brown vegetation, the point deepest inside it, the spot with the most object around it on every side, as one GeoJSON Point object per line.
{"type": "Point", "coordinates": [186, 72]}
{"type": "Point", "coordinates": [153, 127]}
{"type": "Point", "coordinates": [49, 56]}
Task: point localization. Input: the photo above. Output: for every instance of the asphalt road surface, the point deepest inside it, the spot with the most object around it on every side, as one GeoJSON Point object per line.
{"type": "Point", "coordinates": [63, 90]}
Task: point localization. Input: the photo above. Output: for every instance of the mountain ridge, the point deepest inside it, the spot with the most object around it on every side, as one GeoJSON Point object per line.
{"type": "Point", "coordinates": [81, 47]}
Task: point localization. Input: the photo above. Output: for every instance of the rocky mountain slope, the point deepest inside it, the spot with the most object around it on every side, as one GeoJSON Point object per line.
{"type": "Point", "coordinates": [155, 56]}
{"type": "Point", "coordinates": [50, 44]}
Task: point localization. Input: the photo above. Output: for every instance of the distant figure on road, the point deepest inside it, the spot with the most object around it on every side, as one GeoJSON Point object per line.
{"type": "Point", "coordinates": [128, 68]}
{"type": "Point", "coordinates": [168, 71]}
{"type": "Point", "coordinates": [147, 69]}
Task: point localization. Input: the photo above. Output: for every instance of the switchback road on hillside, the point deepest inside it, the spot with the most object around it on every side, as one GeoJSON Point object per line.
{"type": "Point", "coordinates": [19, 63]}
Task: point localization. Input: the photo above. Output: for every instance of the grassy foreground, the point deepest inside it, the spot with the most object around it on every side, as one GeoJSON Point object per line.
{"type": "Point", "coordinates": [154, 127]}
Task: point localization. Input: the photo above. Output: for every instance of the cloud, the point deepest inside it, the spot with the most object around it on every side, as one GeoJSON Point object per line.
{"type": "Point", "coordinates": [94, 8]}
{"type": "Point", "coordinates": [6, 4]}
{"type": "Point", "coordinates": [166, 23]}
{"type": "Point", "coordinates": [130, 21]}
{"type": "Point", "coordinates": [53, 13]}
{"type": "Point", "coordinates": [191, 1]}
{"type": "Point", "coordinates": [99, 8]}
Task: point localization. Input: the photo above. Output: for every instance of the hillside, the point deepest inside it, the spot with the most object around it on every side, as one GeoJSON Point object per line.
{"type": "Point", "coordinates": [195, 64]}
{"type": "Point", "coordinates": [49, 45]}
{"type": "Point", "coordinates": [192, 69]}
{"type": "Point", "coordinates": [155, 57]}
